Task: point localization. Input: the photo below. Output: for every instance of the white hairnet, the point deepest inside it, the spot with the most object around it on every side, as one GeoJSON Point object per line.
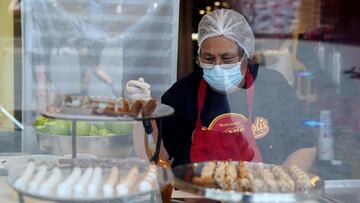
{"type": "Point", "coordinates": [229, 24]}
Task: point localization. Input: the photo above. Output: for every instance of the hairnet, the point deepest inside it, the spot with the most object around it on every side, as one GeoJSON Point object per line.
{"type": "Point", "coordinates": [229, 24]}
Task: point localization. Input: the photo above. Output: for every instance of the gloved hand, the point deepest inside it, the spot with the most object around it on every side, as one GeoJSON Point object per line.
{"type": "Point", "coordinates": [137, 89]}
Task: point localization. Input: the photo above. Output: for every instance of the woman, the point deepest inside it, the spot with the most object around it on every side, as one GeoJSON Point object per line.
{"type": "Point", "coordinates": [224, 107]}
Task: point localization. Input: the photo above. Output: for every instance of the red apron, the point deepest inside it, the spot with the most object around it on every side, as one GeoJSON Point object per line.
{"type": "Point", "coordinates": [210, 145]}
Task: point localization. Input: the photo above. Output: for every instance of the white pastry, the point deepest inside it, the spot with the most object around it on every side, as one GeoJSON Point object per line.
{"type": "Point", "coordinates": [94, 185]}
{"type": "Point", "coordinates": [125, 186]}
{"type": "Point", "coordinates": [80, 187]}
{"type": "Point", "coordinates": [39, 178]}
{"type": "Point", "coordinates": [23, 180]}
{"type": "Point", "coordinates": [49, 184]}
{"type": "Point", "coordinates": [109, 186]}
{"type": "Point", "coordinates": [149, 181]}
{"type": "Point", "coordinates": [65, 188]}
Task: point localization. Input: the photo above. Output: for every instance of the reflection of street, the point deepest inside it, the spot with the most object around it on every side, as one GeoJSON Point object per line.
{"type": "Point", "coordinates": [82, 43]}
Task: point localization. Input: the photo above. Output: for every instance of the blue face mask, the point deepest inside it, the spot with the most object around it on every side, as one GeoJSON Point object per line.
{"type": "Point", "coordinates": [224, 77]}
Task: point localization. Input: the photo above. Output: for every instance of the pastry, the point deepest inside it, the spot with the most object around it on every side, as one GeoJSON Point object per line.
{"type": "Point", "coordinates": [124, 187]}
{"type": "Point", "coordinates": [95, 181]}
{"type": "Point", "coordinates": [109, 186]}
{"type": "Point", "coordinates": [23, 180]}
{"type": "Point", "coordinates": [49, 184]}
{"type": "Point", "coordinates": [80, 186]}
{"type": "Point", "coordinates": [64, 189]}
{"type": "Point", "coordinates": [38, 179]}
{"type": "Point", "coordinates": [149, 181]}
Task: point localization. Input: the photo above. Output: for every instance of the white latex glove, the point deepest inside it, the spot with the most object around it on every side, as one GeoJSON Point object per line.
{"type": "Point", "coordinates": [137, 89]}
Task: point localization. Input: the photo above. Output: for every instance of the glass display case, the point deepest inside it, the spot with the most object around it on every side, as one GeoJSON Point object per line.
{"type": "Point", "coordinates": [66, 67]}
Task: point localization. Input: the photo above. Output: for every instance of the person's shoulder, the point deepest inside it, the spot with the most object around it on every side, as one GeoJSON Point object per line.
{"type": "Point", "coordinates": [267, 76]}
{"type": "Point", "coordinates": [183, 86]}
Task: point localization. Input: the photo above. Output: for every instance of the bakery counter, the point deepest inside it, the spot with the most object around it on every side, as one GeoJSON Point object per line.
{"type": "Point", "coordinates": [346, 191]}
{"type": "Point", "coordinates": [335, 191]}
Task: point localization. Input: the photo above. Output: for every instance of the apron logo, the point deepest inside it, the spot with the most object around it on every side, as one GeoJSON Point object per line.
{"type": "Point", "coordinates": [235, 123]}
{"type": "Point", "coordinates": [260, 128]}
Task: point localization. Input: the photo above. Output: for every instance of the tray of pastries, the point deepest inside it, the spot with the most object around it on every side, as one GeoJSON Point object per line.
{"type": "Point", "coordinates": [106, 108]}
{"type": "Point", "coordinates": [238, 181]}
{"type": "Point", "coordinates": [87, 180]}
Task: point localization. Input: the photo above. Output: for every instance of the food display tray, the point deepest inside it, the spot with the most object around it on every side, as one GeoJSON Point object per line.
{"type": "Point", "coordinates": [68, 113]}
{"type": "Point", "coordinates": [164, 178]}
{"type": "Point", "coordinates": [184, 174]}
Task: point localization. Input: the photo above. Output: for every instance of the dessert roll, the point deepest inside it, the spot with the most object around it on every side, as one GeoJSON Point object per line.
{"type": "Point", "coordinates": [259, 185]}
{"type": "Point", "coordinates": [136, 107]}
{"type": "Point", "coordinates": [269, 178]}
{"type": "Point", "coordinates": [124, 187]}
{"type": "Point", "coordinates": [150, 179]}
{"type": "Point", "coordinates": [80, 186]}
{"type": "Point", "coordinates": [110, 106]}
{"type": "Point", "coordinates": [38, 179]}
{"type": "Point", "coordinates": [206, 176]}
{"type": "Point", "coordinates": [285, 182]}
{"type": "Point", "coordinates": [244, 182]}
{"type": "Point", "coordinates": [219, 175]}
{"type": "Point", "coordinates": [64, 189]}
{"type": "Point", "coordinates": [95, 181]}
{"type": "Point", "coordinates": [109, 186]}
{"type": "Point", "coordinates": [101, 107]}
{"type": "Point", "coordinates": [231, 176]}
{"type": "Point", "coordinates": [123, 105]}
{"type": "Point", "coordinates": [23, 180]}
{"type": "Point", "coordinates": [149, 107]}
{"type": "Point", "coordinates": [49, 184]}
{"type": "Point", "coordinates": [302, 180]}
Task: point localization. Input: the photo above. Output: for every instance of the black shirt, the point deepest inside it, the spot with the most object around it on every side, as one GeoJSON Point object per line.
{"type": "Point", "coordinates": [277, 115]}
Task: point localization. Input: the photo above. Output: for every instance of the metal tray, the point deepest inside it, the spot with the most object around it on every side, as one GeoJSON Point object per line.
{"type": "Point", "coordinates": [66, 165]}
{"type": "Point", "coordinates": [183, 176]}
{"type": "Point", "coordinates": [112, 146]}
{"type": "Point", "coordinates": [161, 110]}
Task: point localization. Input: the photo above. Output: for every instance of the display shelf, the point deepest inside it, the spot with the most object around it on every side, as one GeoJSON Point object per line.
{"type": "Point", "coordinates": [183, 175]}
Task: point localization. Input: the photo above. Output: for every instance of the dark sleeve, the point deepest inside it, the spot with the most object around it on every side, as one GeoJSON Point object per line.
{"type": "Point", "coordinates": [294, 133]}
{"type": "Point", "coordinates": [175, 132]}
{"type": "Point", "coordinates": [303, 135]}
{"type": "Point", "coordinates": [286, 116]}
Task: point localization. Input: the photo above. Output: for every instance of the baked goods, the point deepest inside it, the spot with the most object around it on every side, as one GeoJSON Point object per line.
{"type": "Point", "coordinates": [252, 177]}
{"type": "Point", "coordinates": [49, 184]}
{"type": "Point", "coordinates": [206, 176]}
{"type": "Point", "coordinates": [149, 181]}
{"type": "Point", "coordinates": [39, 177]}
{"type": "Point", "coordinates": [109, 186]}
{"type": "Point", "coordinates": [149, 107]}
{"type": "Point", "coordinates": [124, 187]}
{"type": "Point", "coordinates": [87, 182]}
{"type": "Point", "coordinates": [301, 179]}
{"type": "Point", "coordinates": [79, 189]}
{"type": "Point", "coordinates": [136, 107]}
{"type": "Point", "coordinates": [65, 188]}
{"type": "Point", "coordinates": [244, 183]}
{"type": "Point", "coordinates": [106, 106]}
{"type": "Point", "coordinates": [123, 107]}
{"type": "Point", "coordinates": [23, 180]}
{"type": "Point", "coordinates": [137, 99]}
{"type": "Point", "coordinates": [95, 181]}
